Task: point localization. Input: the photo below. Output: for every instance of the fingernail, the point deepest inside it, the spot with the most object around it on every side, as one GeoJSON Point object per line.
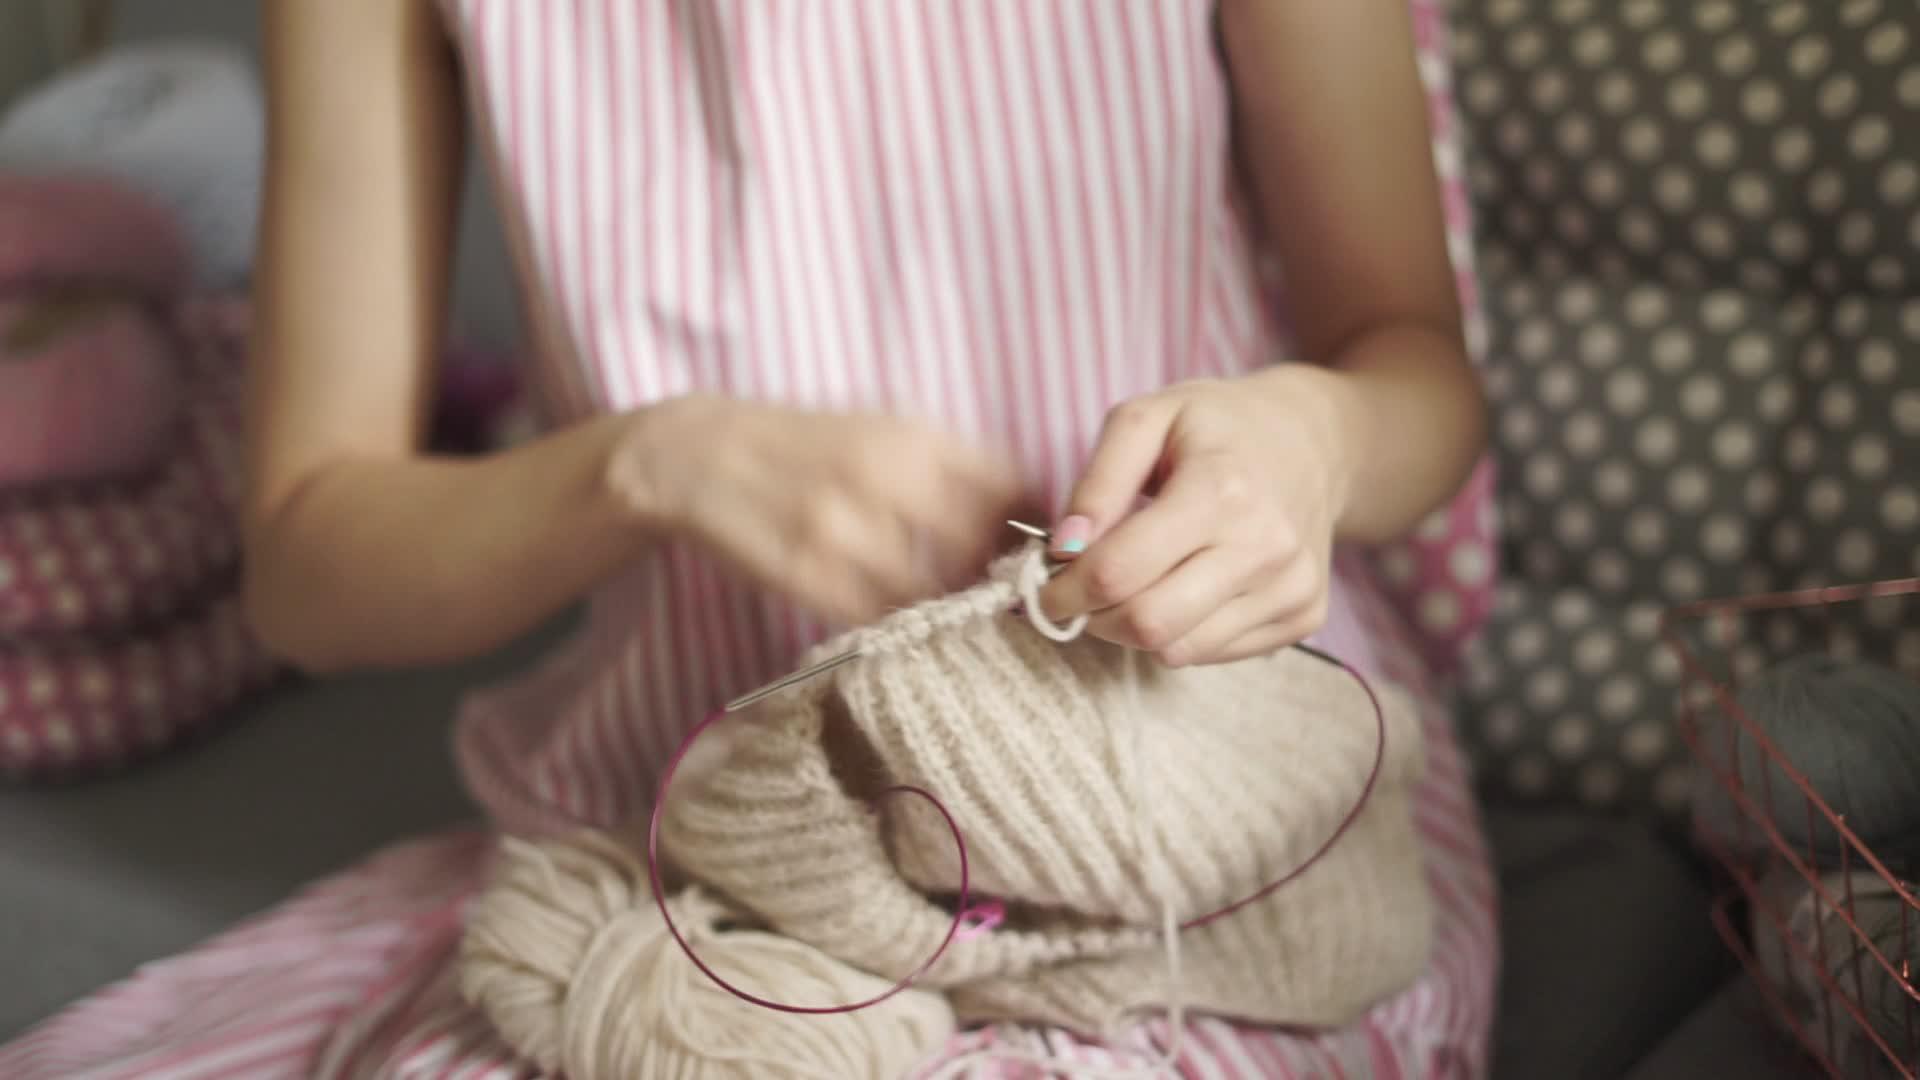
{"type": "Point", "coordinates": [1071, 537]}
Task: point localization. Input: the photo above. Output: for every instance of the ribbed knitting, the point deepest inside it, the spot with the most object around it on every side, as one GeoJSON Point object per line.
{"type": "Point", "coordinates": [1247, 768]}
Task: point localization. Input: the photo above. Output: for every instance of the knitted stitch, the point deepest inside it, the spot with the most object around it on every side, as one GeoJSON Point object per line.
{"type": "Point", "coordinates": [1247, 768]}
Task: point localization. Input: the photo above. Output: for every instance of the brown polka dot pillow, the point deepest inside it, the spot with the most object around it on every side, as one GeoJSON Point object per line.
{"type": "Point", "coordinates": [1699, 230]}
{"type": "Point", "coordinates": [120, 628]}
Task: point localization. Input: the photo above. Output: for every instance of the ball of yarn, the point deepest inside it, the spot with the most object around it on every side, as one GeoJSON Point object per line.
{"type": "Point", "coordinates": [1816, 936]}
{"type": "Point", "coordinates": [1892, 1004]}
{"type": "Point", "coordinates": [1852, 728]}
{"type": "Point", "coordinates": [567, 955]}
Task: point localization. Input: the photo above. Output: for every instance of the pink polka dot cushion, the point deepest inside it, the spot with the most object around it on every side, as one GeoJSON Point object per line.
{"type": "Point", "coordinates": [83, 709]}
{"type": "Point", "coordinates": [113, 557]}
{"type": "Point", "coordinates": [89, 384]}
{"type": "Point", "coordinates": [120, 628]}
{"type": "Point", "coordinates": [89, 387]}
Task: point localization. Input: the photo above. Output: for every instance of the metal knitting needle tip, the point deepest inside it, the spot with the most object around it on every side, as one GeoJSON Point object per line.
{"type": "Point", "coordinates": [1034, 531]}
{"type": "Point", "coordinates": [1045, 536]}
{"type": "Point", "coordinates": [800, 676]}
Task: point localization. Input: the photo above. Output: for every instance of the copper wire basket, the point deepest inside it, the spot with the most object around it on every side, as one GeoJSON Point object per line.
{"type": "Point", "coordinates": [1826, 990]}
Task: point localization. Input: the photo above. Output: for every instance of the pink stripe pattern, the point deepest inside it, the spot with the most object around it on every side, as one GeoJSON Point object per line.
{"type": "Point", "coordinates": [1002, 217]}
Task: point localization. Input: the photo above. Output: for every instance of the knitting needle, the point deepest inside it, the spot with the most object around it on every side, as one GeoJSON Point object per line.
{"type": "Point", "coordinates": [800, 676]}
{"type": "Point", "coordinates": [1035, 531]}
{"type": "Point", "coordinates": [756, 696]}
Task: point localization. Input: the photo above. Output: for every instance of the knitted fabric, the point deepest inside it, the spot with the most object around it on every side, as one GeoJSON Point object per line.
{"type": "Point", "coordinates": [1243, 772]}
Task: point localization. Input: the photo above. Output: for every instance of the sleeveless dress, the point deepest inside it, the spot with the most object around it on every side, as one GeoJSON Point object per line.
{"type": "Point", "coordinates": [1001, 217]}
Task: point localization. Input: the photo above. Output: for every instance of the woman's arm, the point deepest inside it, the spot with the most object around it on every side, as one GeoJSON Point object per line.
{"type": "Point", "coordinates": [1254, 478]}
{"type": "Point", "coordinates": [363, 552]}
{"type": "Point", "coordinates": [1332, 130]}
{"type": "Point", "coordinates": [359, 550]}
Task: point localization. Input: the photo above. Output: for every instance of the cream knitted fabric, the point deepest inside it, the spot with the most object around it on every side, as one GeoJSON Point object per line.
{"type": "Point", "coordinates": [1245, 770]}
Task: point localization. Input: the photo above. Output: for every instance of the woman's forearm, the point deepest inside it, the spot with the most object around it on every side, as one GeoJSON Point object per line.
{"type": "Point", "coordinates": [385, 563]}
{"type": "Point", "coordinates": [361, 551]}
{"type": "Point", "coordinates": [1331, 127]}
{"type": "Point", "coordinates": [1412, 425]}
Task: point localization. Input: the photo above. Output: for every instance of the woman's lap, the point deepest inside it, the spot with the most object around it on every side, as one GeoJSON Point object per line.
{"type": "Point", "coordinates": [353, 977]}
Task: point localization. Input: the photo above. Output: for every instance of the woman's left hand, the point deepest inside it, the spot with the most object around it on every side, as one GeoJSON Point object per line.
{"type": "Point", "coordinates": [1231, 556]}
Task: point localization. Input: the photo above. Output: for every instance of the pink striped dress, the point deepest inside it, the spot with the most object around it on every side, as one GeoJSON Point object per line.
{"type": "Point", "coordinates": [1004, 217]}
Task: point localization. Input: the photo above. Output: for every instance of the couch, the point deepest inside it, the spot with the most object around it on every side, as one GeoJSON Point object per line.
{"type": "Point", "coordinates": [1688, 212]}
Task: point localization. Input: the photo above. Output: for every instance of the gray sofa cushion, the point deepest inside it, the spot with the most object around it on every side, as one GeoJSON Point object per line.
{"type": "Point", "coordinates": [97, 878]}
{"type": "Point", "coordinates": [1728, 1036]}
{"type": "Point", "coordinates": [1606, 944]}
{"type": "Point", "coordinates": [1700, 230]}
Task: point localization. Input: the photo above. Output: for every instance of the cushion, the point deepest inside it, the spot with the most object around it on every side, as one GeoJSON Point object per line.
{"type": "Point", "coordinates": [120, 627]}
{"type": "Point", "coordinates": [1590, 906]}
{"type": "Point", "coordinates": [98, 878]}
{"type": "Point", "coordinates": [1700, 249]}
{"type": "Point", "coordinates": [1727, 1036]}
{"type": "Point", "coordinates": [110, 558]}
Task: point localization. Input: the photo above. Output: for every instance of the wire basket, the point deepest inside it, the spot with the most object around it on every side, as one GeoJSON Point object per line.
{"type": "Point", "coordinates": [1825, 928]}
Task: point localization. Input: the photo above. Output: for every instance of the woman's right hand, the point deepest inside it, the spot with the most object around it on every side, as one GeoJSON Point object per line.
{"type": "Point", "coordinates": [849, 515]}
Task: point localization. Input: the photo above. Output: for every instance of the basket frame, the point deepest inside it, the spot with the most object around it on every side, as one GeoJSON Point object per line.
{"type": "Point", "coordinates": [1744, 875]}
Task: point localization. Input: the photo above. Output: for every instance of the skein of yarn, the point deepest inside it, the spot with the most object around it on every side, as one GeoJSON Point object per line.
{"type": "Point", "coordinates": [568, 957]}
{"type": "Point", "coordinates": [1852, 728]}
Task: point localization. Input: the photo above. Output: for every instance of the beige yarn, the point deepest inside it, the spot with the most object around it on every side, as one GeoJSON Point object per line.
{"type": "Point", "coordinates": [1245, 770]}
{"type": "Point", "coordinates": [1098, 797]}
{"type": "Point", "coordinates": [568, 957]}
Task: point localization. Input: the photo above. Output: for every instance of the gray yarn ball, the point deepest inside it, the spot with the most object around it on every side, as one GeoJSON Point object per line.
{"type": "Point", "coordinates": [1852, 728]}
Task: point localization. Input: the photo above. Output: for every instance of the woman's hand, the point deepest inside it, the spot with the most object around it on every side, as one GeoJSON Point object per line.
{"type": "Point", "coordinates": [849, 515]}
{"type": "Point", "coordinates": [1231, 556]}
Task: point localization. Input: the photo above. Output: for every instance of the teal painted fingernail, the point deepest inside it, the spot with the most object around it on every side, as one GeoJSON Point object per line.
{"type": "Point", "coordinates": [1071, 537]}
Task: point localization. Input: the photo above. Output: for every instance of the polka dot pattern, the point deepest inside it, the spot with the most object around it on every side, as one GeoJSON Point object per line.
{"type": "Point", "coordinates": [1698, 306]}
{"type": "Point", "coordinates": [102, 558]}
{"type": "Point", "coordinates": [120, 628]}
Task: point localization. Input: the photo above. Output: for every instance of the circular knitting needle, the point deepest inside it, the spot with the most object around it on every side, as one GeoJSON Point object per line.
{"type": "Point", "coordinates": [800, 676]}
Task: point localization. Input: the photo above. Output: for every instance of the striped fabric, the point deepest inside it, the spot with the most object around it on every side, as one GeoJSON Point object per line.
{"type": "Point", "coordinates": [1002, 216]}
